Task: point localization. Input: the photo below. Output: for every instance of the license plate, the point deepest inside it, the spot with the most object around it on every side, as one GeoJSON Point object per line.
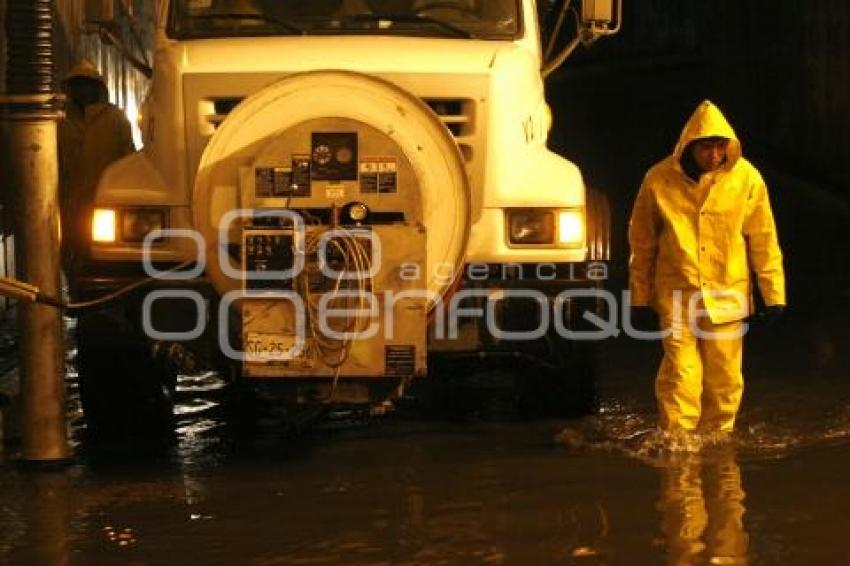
{"type": "Point", "coordinates": [270, 347]}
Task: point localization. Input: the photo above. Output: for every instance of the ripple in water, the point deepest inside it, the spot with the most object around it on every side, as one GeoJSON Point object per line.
{"type": "Point", "coordinates": [620, 430]}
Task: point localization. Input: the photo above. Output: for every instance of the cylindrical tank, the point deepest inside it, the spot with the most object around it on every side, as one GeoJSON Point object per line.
{"type": "Point", "coordinates": [343, 128]}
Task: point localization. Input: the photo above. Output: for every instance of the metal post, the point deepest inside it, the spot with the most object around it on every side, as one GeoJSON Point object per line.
{"type": "Point", "coordinates": [41, 347]}
{"type": "Point", "coordinates": [31, 115]}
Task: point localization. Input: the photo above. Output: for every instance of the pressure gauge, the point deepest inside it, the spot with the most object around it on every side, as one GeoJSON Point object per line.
{"type": "Point", "coordinates": [322, 155]}
{"type": "Point", "coordinates": [344, 155]}
{"type": "Point", "coordinates": [358, 212]}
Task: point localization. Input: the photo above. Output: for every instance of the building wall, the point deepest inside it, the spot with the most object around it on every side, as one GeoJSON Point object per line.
{"type": "Point", "coordinates": [785, 68]}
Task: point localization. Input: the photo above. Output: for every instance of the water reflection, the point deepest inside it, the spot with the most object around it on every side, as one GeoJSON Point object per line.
{"type": "Point", "coordinates": [702, 510]}
{"type": "Point", "coordinates": [41, 523]}
{"type": "Point", "coordinates": [421, 490]}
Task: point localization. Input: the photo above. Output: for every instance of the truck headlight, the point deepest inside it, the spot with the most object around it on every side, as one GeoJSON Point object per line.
{"type": "Point", "coordinates": [530, 227]}
{"type": "Point", "coordinates": [103, 225]}
{"type": "Point", "coordinates": [136, 223]}
{"type": "Point", "coordinates": [546, 227]}
{"type": "Point", "coordinates": [571, 228]}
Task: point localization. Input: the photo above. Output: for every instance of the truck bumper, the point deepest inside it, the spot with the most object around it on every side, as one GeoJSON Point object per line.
{"type": "Point", "coordinates": [97, 279]}
{"type": "Point", "coordinates": [514, 308]}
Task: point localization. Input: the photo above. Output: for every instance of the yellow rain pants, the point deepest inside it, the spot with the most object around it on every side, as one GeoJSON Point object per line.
{"type": "Point", "coordinates": [699, 384]}
{"type": "Point", "coordinates": [704, 236]}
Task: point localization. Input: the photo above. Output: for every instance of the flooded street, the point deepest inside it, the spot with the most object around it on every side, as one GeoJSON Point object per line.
{"type": "Point", "coordinates": [425, 488]}
{"type": "Point", "coordinates": [287, 191]}
{"type": "Point", "coordinates": [435, 490]}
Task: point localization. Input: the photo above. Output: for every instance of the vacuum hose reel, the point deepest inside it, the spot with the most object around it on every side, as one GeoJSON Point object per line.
{"type": "Point", "coordinates": [320, 141]}
{"type": "Point", "coordinates": [31, 69]}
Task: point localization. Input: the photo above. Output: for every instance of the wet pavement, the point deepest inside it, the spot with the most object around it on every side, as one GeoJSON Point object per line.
{"type": "Point", "coordinates": [428, 489]}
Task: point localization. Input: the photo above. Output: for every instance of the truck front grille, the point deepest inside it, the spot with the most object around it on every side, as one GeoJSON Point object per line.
{"type": "Point", "coordinates": [209, 100]}
{"type": "Point", "coordinates": [458, 115]}
{"type": "Point", "coordinates": [213, 111]}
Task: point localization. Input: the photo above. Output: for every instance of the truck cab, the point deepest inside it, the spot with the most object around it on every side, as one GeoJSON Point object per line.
{"type": "Point", "coordinates": [335, 192]}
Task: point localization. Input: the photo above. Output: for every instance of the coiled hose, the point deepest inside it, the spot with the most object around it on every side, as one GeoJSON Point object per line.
{"type": "Point", "coordinates": [31, 68]}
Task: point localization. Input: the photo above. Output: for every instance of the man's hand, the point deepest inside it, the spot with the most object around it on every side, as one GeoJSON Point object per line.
{"type": "Point", "coordinates": [770, 315]}
{"type": "Point", "coordinates": [644, 319]}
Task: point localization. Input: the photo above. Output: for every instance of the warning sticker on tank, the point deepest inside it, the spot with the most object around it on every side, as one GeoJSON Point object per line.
{"type": "Point", "coordinates": [334, 192]}
{"type": "Point", "coordinates": [378, 175]}
{"type": "Point", "coordinates": [301, 176]}
{"type": "Point", "coordinates": [277, 182]}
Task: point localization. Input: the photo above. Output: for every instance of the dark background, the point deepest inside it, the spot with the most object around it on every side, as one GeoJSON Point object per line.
{"type": "Point", "coordinates": [780, 72]}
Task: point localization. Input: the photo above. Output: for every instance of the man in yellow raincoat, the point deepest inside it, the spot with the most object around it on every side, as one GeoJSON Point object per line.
{"type": "Point", "coordinates": [93, 134]}
{"type": "Point", "coordinates": [701, 222]}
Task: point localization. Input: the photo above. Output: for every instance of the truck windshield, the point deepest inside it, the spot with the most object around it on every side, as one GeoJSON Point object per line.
{"type": "Point", "coordinates": [477, 19]}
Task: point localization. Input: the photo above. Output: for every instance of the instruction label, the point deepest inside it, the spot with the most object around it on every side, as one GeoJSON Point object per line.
{"type": "Point", "coordinates": [378, 175]}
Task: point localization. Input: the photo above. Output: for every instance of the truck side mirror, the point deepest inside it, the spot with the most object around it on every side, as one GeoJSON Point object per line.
{"type": "Point", "coordinates": [101, 12]}
{"type": "Point", "coordinates": [599, 17]}
{"type": "Point", "coordinates": [597, 11]}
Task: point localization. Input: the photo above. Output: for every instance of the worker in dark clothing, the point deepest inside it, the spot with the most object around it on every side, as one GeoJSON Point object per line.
{"type": "Point", "coordinates": [93, 134]}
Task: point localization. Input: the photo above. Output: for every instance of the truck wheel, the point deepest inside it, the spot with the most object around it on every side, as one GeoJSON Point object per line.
{"type": "Point", "coordinates": [567, 390]}
{"type": "Point", "coordinates": [581, 381]}
{"type": "Point", "coordinates": [124, 393]}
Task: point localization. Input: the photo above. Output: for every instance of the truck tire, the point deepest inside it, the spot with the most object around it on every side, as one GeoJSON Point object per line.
{"type": "Point", "coordinates": [123, 391]}
{"type": "Point", "coordinates": [580, 384]}
{"type": "Point", "coordinates": [568, 388]}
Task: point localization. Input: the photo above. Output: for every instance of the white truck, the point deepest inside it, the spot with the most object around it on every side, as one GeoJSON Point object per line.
{"type": "Point", "coordinates": [332, 193]}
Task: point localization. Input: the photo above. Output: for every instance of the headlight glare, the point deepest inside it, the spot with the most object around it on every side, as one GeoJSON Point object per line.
{"type": "Point", "coordinates": [571, 227]}
{"type": "Point", "coordinates": [103, 225]}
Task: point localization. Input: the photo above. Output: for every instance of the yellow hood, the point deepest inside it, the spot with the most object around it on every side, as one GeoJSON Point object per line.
{"type": "Point", "coordinates": [707, 122]}
{"type": "Point", "coordinates": [84, 70]}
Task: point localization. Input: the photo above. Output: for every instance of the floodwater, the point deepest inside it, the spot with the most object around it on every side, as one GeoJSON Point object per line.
{"type": "Point", "coordinates": [428, 489]}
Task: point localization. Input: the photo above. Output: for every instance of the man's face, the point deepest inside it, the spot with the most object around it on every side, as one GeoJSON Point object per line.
{"type": "Point", "coordinates": [83, 91]}
{"type": "Point", "coordinates": [710, 153]}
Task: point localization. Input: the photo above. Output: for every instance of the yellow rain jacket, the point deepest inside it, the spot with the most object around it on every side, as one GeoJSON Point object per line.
{"type": "Point", "coordinates": [705, 236]}
{"type": "Point", "coordinates": [699, 240]}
